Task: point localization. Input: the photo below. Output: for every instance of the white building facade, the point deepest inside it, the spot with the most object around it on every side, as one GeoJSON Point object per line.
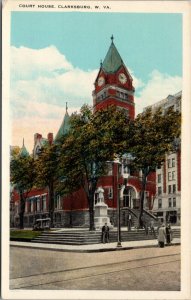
{"type": "Point", "coordinates": [167, 203]}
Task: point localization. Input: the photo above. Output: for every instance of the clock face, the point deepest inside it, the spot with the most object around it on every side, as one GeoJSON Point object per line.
{"type": "Point", "coordinates": [101, 81]}
{"type": "Point", "coordinates": [122, 78]}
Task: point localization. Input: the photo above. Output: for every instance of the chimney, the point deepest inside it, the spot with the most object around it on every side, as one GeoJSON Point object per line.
{"type": "Point", "coordinates": [50, 138]}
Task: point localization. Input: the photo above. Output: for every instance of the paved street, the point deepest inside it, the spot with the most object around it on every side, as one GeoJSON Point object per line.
{"type": "Point", "coordinates": [137, 269]}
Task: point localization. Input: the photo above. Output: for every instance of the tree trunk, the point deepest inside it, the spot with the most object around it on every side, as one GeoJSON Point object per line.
{"type": "Point", "coordinates": [90, 195]}
{"type": "Point", "coordinates": [144, 181]}
{"type": "Point", "coordinates": [91, 214]}
{"type": "Point", "coordinates": [51, 203]}
{"type": "Point", "coordinates": [22, 211]}
{"type": "Point", "coordinates": [91, 205]}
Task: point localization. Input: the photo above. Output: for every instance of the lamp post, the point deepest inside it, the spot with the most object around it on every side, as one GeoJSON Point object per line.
{"type": "Point", "coordinates": [118, 211]}
{"type": "Point", "coordinates": [129, 159]}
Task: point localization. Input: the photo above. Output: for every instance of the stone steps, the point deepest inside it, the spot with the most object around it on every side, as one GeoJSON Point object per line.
{"type": "Point", "coordinates": [89, 237]}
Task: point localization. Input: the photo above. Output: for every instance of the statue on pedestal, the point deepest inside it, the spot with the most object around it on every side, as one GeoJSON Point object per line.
{"type": "Point", "coordinates": [101, 208]}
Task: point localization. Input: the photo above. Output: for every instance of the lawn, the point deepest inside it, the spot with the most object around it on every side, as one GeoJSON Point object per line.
{"type": "Point", "coordinates": [24, 234]}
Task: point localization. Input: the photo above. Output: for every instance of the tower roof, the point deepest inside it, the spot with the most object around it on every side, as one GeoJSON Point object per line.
{"type": "Point", "coordinates": [23, 151]}
{"type": "Point", "coordinates": [113, 60]}
{"type": "Point", "coordinates": [65, 126]}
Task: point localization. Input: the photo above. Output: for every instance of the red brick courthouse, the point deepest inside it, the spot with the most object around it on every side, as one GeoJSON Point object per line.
{"type": "Point", "coordinates": [113, 86]}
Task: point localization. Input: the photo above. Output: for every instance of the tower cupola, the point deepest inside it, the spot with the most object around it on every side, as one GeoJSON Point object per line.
{"type": "Point", "coordinates": [65, 126]}
{"type": "Point", "coordinates": [23, 151]}
{"type": "Point", "coordinates": [113, 84]}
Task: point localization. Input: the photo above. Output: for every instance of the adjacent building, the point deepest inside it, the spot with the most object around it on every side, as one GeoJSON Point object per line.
{"type": "Point", "coordinates": [167, 202]}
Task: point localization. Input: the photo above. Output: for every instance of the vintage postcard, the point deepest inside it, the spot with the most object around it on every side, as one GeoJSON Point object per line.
{"type": "Point", "coordinates": [96, 140]}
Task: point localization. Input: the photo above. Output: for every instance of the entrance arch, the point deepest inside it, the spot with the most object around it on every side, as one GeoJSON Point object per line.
{"type": "Point", "coordinates": [129, 197]}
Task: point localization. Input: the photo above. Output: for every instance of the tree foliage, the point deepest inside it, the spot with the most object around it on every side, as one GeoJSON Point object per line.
{"type": "Point", "coordinates": [46, 166]}
{"type": "Point", "coordinates": [23, 176]}
{"type": "Point", "coordinates": [152, 136]}
{"type": "Point", "coordinates": [94, 139]}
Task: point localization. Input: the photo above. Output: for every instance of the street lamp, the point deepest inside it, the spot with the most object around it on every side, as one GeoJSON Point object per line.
{"type": "Point", "coordinates": [118, 210]}
{"type": "Point", "coordinates": [129, 158]}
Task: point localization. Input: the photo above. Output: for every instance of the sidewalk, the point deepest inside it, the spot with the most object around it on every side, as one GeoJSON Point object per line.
{"type": "Point", "coordinates": [93, 247]}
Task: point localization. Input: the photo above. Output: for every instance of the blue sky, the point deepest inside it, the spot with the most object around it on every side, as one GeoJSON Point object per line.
{"type": "Point", "coordinates": [145, 41]}
{"type": "Point", "coordinates": [55, 58]}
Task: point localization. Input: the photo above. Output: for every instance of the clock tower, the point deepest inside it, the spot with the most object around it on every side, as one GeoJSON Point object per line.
{"type": "Point", "coordinates": [113, 85]}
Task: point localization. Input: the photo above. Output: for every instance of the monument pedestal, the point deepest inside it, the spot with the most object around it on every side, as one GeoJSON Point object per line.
{"type": "Point", "coordinates": [100, 217]}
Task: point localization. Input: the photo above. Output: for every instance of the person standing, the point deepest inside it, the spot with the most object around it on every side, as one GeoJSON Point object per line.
{"type": "Point", "coordinates": [168, 234]}
{"type": "Point", "coordinates": [161, 236]}
{"type": "Point", "coordinates": [129, 222]}
{"type": "Point", "coordinates": [152, 228]}
{"type": "Point", "coordinates": [105, 234]}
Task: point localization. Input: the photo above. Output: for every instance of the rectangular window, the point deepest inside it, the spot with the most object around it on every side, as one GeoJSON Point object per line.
{"type": "Point", "coordinates": [32, 206]}
{"type": "Point", "coordinates": [173, 175]}
{"type": "Point", "coordinates": [26, 203]}
{"type": "Point", "coordinates": [44, 202]}
{"type": "Point", "coordinates": [125, 169]}
{"type": "Point", "coordinates": [169, 202]}
{"type": "Point", "coordinates": [173, 162]}
{"type": "Point", "coordinates": [159, 190]}
{"type": "Point", "coordinates": [159, 178]}
{"type": "Point", "coordinates": [169, 163]}
{"type": "Point", "coordinates": [58, 202]}
{"type": "Point", "coordinates": [110, 193]}
{"type": "Point", "coordinates": [174, 202]}
{"type": "Point", "coordinates": [169, 189]}
{"type": "Point", "coordinates": [159, 203]}
{"type": "Point", "coordinates": [38, 204]}
{"type": "Point", "coordinates": [174, 188]}
{"type": "Point", "coordinates": [169, 176]}
{"type": "Point", "coordinates": [119, 169]}
{"type": "Point", "coordinates": [110, 169]}
{"type": "Point", "coordinates": [17, 207]}
{"type": "Point", "coordinates": [29, 205]}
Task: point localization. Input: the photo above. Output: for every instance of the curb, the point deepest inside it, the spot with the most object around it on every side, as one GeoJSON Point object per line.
{"type": "Point", "coordinates": [92, 250]}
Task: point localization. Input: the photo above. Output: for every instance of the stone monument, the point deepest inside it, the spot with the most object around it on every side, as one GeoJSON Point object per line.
{"type": "Point", "coordinates": [100, 217]}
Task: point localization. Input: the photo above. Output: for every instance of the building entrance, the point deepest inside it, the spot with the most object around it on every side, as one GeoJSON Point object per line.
{"type": "Point", "coordinates": [129, 196]}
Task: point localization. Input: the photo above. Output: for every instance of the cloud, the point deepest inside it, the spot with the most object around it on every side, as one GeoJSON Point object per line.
{"type": "Point", "coordinates": [158, 87]}
{"type": "Point", "coordinates": [26, 127]}
{"type": "Point", "coordinates": [137, 82]}
{"type": "Point", "coordinates": [43, 80]}
{"type": "Point", "coordinates": [45, 76]}
{"type": "Point", "coordinates": [29, 63]}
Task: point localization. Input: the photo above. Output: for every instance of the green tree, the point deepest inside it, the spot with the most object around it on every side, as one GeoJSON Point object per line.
{"type": "Point", "coordinates": [22, 177]}
{"type": "Point", "coordinates": [46, 166]}
{"type": "Point", "coordinates": [152, 136]}
{"type": "Point", "coordinates": [94, 139]}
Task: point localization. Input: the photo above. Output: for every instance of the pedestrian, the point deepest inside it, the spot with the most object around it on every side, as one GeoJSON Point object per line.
{"type": "Point", "coordinates": [152, 227]}
{"type": "Point", "coordinates": [161, 236]}
{"type": "Point", "coordinates": [146, 227]}
{"type": "Point", "coordinates": [144, 224]}
{"type": "Point", "coordinates": [168, 234]}
{"type": "Point", "coordinates": [129, 221]}
{"type": "Point", "coordinates": [105, 234]}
